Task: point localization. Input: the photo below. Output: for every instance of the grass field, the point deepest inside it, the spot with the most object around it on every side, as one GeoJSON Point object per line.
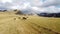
{"type": "Point", "coordinates": [31, 25]}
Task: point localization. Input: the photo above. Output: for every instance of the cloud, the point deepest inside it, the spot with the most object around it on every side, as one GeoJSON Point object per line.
{"type": "Point", "coordinates": [50, 9]}
{"type": "Point", "coordinates": [4, 1]}
{"type": "Point", "coordinates": [10, 3]}
{"type": "Point", "coordinates": [50, 6]}
{"type": "Point", "coordinates": [51, 3]}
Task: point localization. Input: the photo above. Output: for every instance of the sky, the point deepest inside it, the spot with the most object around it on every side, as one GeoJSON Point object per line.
{"type": "Point", "coordinates": [49, 6]}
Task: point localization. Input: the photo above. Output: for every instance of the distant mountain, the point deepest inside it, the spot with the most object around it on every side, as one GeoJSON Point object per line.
{"type": "Point", "coordinates": [49, 14]}
{"type": "Point", "coordinates": [29, 12]}
{"type": "Point", "coordinates": [2, 8]}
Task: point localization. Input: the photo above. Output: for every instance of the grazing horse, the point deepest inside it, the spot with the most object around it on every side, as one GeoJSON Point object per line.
{"type": "Point", "coordinates": [14, 18]}
{"type": "Point", "coordinates": [19, 17]}
{"type": "Point", "coordinates": [24, 17]}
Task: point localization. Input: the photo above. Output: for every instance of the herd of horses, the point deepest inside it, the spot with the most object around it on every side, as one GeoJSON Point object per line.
{"type": "Point", "coordinates": [24, 18]}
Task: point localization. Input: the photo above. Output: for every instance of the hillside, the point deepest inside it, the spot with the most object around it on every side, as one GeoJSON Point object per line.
{"type": "Point", "coordinates": [10, 23]}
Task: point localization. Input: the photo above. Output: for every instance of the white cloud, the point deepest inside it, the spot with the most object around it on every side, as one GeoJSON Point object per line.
{"type": "Point", "coordinates": [50, 9]}
{"type": "Point", "coordinates": [51, 3]}
{"type": "Point", "coordinates": [23, 6]}
{"type": "Point", "coordinates": [49, 6]}
{"type": "Point", "coordinates": [4, 1]}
